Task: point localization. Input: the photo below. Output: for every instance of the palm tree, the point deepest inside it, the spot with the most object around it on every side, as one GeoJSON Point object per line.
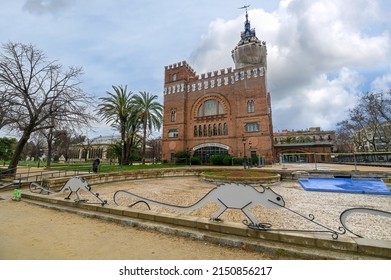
{"type": "Point", "coordinates": [150, 114]}
{"type": "Point", "coordinates": [117, 110]}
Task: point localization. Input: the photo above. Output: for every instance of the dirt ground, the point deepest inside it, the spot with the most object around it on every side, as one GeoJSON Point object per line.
{"type": "Point", "coordinates": [29, 232]}
{"type": "Point", "coordinates": [326, 207]}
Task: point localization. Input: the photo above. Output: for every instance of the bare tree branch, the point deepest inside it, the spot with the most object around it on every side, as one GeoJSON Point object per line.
{"type": "Point", "coordinates": [43, 93]}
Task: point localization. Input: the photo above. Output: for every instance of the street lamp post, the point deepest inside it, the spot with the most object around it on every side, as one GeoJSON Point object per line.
{"type": "Point", "coordinates": [250, 147]}
{"type": "Point", "coordinates": [122, 154]}
{"type": "Point", "coordinates": [244, 151]}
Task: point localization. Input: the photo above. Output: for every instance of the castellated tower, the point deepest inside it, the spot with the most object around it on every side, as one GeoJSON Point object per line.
{"type": "Point", "coordinates": [227, 111]}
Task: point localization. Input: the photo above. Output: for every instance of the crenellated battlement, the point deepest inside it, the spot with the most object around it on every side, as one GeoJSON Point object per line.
{"type": "Point", "coordinates": [178, 65]}
{"type": "Point", "coordinates": [218, 78]}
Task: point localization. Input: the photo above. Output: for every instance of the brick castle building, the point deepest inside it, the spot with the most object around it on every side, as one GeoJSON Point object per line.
{"type": "Point", "coordinates": [227, 111]}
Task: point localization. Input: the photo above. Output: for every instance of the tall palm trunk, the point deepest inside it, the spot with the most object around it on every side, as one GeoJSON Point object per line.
{"type": "Point", "coordinates": [144, 143]}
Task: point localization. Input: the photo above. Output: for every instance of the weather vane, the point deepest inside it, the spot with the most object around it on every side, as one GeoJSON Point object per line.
{"type": "Point", "coordinates": [244, 7]}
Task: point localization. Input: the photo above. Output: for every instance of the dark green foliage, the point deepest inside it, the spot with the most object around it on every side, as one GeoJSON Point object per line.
{"type": "Point", "coordinates": [6, 147]}
{"type": "Point", "coordinates": [217, 159]}
{"type": "Point", "coordinates": [227, 160]}
{"type": "Point", "coordinates": [195, 161]}
{"type": "Point", "coordinates": [182, 154]}
{"type": "Point", "coordinates": [254, 160]}
{"type": "Point", "coordinates": [237, 161]}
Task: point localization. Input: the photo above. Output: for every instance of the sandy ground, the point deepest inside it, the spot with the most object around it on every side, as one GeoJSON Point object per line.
{"type": "Point", "coordinates": [326, 207]}
{"type": "Point", "coordinates": [29, 232]}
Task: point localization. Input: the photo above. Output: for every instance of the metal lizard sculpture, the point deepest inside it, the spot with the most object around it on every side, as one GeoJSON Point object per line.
{"type": "Point", "coordinates": [235, 196]}
{"type": "Point", "coordinates": [74, 185]}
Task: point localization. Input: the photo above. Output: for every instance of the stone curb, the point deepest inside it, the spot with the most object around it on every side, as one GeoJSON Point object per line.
{"type": "Point", "coordinates": [355, 247]}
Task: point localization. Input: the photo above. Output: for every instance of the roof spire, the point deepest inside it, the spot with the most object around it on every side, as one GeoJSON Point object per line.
{"type": "Point", "coordinates": [248, 33]}
{"type": "Point", "coordinates": [247, 22]}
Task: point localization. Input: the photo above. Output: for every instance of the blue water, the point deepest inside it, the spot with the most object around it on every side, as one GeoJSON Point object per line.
{"type": "Point", "coordinates": [345, 185]}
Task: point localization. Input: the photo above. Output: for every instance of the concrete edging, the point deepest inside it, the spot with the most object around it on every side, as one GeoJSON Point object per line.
{"type": "Point", "coordinates": [321, 241]}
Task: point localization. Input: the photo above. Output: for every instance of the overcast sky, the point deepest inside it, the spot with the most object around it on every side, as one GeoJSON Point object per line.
{"type": "Point", "coordinates": [321, 53]}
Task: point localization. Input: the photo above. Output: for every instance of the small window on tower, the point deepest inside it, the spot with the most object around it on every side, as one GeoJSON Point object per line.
{"type": "Point", "coordinates": [173, 116]}
{"type": "Point", "coordinates": [173, 133]}
{"type": "Point", "coordinates": [252, 127]}
{"type": "Point", "coordinates": [250, 106]}
{"type": "Point", "coordinates": [174, 77]}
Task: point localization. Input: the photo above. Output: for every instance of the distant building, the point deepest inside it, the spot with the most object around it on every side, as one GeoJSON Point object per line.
{"type": "Point", "coordinates": [99, 147]}
{"type": "Point", "coordinates": [94, 148]}
{"type": "Point", "coordinates": [227, 111]}
{"type": "Point", "coordinates": [300, 145]}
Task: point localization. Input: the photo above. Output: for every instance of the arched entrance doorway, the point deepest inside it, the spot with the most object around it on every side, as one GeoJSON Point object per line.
{"type": "Point", "coordinates": [205, 151]}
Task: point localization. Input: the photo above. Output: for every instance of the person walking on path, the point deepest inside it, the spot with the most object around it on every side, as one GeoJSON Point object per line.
{"type": "Point", "coordinates": [95, 165]}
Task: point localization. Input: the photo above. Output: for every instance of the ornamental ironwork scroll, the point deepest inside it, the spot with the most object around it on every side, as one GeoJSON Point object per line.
{"type": "Point", "coordinates": [376, 212]}
{"type": "Point", "coordinates": [73, 185]}
{"type": "Point", "coordinates": [241, 197]}
{"type": "Point", "coordinates": [235, 196]}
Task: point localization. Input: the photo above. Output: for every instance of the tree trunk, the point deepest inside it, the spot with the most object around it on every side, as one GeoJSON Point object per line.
{"type": "Point", "coordinates": [50, 148]}
{"type": "Point", "coordinates": [144, 143]}
{"type": "Point", "coordinates": [19, 149]}
{"type": "Point", "coordinates": [125, 152]}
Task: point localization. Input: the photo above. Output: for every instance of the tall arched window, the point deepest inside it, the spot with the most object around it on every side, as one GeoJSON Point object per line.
{"type": "Point", "coordinates": [250, 106]}
{"type": "Point", "coordinates": [225, 129]}
{"type": "Point", "coordinates": [210, 107]}
{"type": "Point", "coordinates": [173, 116]}
{"type": "Point", "coordinates": [195, 131]}
{"type": "Point", "coordinates": [220, 132]}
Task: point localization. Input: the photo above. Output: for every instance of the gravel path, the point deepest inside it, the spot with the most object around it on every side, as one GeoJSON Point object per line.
{"type": "Point", "coordinates": [326, 207]}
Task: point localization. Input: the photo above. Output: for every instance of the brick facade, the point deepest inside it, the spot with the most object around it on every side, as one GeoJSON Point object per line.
{"type": "Point", "coordinates": [301, 145]}
{"type": "Point", "coordinates": [211, 113]}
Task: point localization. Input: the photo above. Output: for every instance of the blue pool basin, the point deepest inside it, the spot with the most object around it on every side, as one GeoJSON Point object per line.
{"type": "Point", "coordinates": [346, 185]}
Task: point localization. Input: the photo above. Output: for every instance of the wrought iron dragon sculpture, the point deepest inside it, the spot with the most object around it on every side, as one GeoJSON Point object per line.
{"type": "Point", "coordinates": [73, 185]}
{"type": "Point", "coordinates": [244, 197]}
{"type": "Point", "coordinates": [228, 196]}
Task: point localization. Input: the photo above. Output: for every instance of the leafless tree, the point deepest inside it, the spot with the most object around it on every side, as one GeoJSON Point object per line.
{"type": "Point", "coordinates": [5, 101]}
{"type": "Point", "coordinates": [369, 122]}
{"type": "Point", "coordinates": [155, 148]}
{"type": "Point", "coordinates": [43, 93]}
{"type": "Point", "coordinates": [377, 107]}
{"type": "Point", "coordinates": [344, 137]}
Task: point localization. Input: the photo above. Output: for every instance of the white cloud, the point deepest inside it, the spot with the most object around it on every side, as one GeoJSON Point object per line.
{"type": "Point", "coordinates": [321, 53]}
{"type": "Point", "coordinates": [382, 83]}
{"type": "Point", "coordinates": [319, 56]}
{"type": "Point", "coordinates": [40, 7]}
